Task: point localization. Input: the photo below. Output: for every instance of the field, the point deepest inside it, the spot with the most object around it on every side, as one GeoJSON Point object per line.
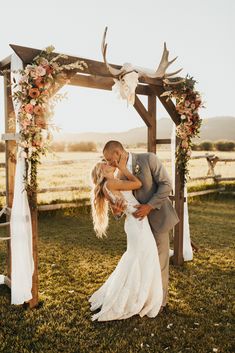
{"type": "Point", "coordinates": [78, 174]}
{"type": "Point", "coordinates": [73, 263]}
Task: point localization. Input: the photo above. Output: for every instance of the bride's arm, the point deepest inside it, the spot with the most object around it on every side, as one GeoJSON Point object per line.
{"type": "Point", "coordinates": [132, 183]}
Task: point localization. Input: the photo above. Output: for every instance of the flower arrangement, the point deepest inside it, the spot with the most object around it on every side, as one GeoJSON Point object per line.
{"type": "Point", "coordinates": [36, 93]}
{"type": "Point", "coordinates": [137, 169]}
{"type": "Point", "coordinates": [188, 101]}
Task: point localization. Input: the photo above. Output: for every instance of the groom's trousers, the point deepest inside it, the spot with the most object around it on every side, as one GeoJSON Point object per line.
{"type": "Point", "coordinates": [162, 240]}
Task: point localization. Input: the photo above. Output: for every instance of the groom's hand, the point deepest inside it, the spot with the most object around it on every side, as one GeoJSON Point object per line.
{"type": "Point", "coordinates": [142, 211]}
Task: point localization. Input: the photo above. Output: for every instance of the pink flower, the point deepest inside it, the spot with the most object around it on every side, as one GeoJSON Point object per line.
{"type": "Point", "coordinates": [25, 123]}
{"type": "Point", "coordinates": [187, 103]}
{"type": "Point", "coordinates": [49, 69]}
{"type": "Point", "coordinates": [29, 108]}
{"type": "Point", "coordinates": [40, 122]}
{"type": "Point", "coordinates": [38, 110]}
{"type": "Point", "coordinates": [193, 106]}
{"type": "Point", "coordinates": [39, 83]}
{"type": "Point", "coordinates": [40, 71]}
{"type": "Point", "coordinates": [189, 152]}
{"type": "Point", "coordinates": [184, 144]}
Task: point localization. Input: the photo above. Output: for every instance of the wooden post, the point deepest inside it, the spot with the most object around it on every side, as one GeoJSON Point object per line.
{"type": "Point", "coordinates": [10, 159]}
{"type": "Point", "coordinates": [179, 227]}
{"type": "Point", "coordinates": [152, 129]}
{"type": "Point", "coordinates": [34, 219]}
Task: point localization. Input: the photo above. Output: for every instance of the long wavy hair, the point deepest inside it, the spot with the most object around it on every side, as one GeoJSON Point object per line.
{"type": "Point", "coordinates": [99, 204]}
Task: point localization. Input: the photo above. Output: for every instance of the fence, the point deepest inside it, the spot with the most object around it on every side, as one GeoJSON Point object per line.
{"type": "Point", "coordinates": [212, 160]}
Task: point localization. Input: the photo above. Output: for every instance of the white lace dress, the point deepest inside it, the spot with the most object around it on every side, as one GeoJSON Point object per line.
{"type": "Point", "coordinates": [135, 286]}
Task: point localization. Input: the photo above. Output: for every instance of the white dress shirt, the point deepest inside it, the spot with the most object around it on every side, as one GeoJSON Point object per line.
{"type": "Point", "coordinates": [129, 162]}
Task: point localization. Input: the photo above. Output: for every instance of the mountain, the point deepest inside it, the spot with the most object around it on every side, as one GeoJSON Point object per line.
{"type": "Point", "coordinates": [213, 129]}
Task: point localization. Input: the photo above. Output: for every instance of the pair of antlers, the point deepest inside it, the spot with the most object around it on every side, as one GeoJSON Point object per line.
{"type": "Point", "coordinates": [159, 73]}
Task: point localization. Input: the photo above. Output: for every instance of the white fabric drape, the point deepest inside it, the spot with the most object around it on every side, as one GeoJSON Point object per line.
{"type": "Point", "coordinates": [187, 248]}
{"type": "Point", "coordinates": [22, 265]}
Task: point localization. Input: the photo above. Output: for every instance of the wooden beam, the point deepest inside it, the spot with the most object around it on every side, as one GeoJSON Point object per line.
{"type": "Point", "coordinates": [168, 105]}
{"type": "Point", "coordinates": [58, 206]}
{"type": "Point", "coordinates": [94, 67]}
{"type": "Point", "coordinates": [163, 141]}
{"type": "Point", "coordinates": [140, 108]}
{"type": "Point", "coordinates": [105, 83]}
{"type": "Point", "coordinates": [10, 136]}
{"type": "Point", "coordinates": [179, 227]}
{"type": "Point", "coordinates": [34, 219]}
{"type": "Point", "coordinates": [152, 129]}
{"type": "Point", "coordinates": [5, 64]}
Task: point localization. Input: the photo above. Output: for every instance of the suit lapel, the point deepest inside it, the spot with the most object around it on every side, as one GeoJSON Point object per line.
{"type": "Point", "coordinates": [134, 157]}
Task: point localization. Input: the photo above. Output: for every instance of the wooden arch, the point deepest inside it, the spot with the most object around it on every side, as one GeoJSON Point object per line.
{"type": "Point", "coordinates": [95, 76]}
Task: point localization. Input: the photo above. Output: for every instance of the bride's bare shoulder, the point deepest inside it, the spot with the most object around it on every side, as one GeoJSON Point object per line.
{"type": "Point", "coordinates": [110, 186]}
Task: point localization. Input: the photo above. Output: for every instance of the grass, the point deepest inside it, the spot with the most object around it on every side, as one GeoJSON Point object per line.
{"type": "Point", "coordinates": [74, 263]}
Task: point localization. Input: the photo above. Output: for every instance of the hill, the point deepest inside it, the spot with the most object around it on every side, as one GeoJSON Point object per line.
{"type": "Point", "coordinates": [213, 129]}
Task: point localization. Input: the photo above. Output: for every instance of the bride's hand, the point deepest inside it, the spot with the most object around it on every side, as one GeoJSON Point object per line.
{"type": "Point", "coordinates": [121, 164]}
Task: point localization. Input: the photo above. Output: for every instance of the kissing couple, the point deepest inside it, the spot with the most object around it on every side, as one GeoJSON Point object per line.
{"type": "Point", "coordinates": [139, 191]}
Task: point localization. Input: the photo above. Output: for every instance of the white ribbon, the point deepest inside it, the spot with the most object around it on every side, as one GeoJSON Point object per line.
{"type": "Point", "coordinates": [187, 248]}
{"type": "Point", "coordinates": [126, 86]}
{"type": "Point", "coordinates": [22, 265]}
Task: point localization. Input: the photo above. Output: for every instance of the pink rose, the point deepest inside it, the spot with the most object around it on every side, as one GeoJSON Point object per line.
{"type": "Point", "coordinates": [193, 106]}
{"type": "Point", "coordinates": [187, 103]}
{"type": "Point", "coordinates": [40, 70]}
{"type": "Point", "coordinates": [189, 153]}
{"type": "Point", "coordinates": [29, 108]}
{"type": "Point", "coordinates": [184, 144]}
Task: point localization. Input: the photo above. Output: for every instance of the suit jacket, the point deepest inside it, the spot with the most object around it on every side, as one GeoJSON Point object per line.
{"type": "Point", "coordinates": [155, 191]}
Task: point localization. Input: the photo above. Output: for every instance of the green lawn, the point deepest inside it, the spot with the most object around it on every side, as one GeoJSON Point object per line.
{"type": "Point", "coordinates": [73, 263]}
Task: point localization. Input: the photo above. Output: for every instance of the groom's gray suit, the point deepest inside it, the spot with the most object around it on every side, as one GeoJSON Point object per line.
{"type": "Point", "coordinates": [156, 187]}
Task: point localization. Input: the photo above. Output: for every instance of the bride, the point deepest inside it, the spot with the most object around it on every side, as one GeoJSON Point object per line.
{"type": "Point", "coordinates": [135, 286]}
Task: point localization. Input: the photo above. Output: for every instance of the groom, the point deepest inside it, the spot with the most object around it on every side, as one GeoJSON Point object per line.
{"type": "Point", "coordinates": [153, 199]}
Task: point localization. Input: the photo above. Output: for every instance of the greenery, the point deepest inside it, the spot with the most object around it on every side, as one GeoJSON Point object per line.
{"type": "Point", "coordinates": [225, 145]}
{"type": "Point", "coordinates": [73, 263]}
{"type": "Point", "coordinates": [82, 147]}
{"type": "Point", "coordinates": [188, 102]}
{"type": "Point", "coordinates": [36, 93]}
{"type": "Point", "coordinates": [214, 146]}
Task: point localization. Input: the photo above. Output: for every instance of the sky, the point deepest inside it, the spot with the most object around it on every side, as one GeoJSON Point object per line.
{"type": "Point", "coordinates": [201, 33]}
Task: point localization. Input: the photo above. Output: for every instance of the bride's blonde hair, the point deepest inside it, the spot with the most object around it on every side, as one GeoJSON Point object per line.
{"type": "Point", "coordinates": [99, 204]}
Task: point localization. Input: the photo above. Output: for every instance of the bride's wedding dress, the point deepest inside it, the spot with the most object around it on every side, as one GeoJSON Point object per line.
{"type": "Point", "coordinates": [135, 286]}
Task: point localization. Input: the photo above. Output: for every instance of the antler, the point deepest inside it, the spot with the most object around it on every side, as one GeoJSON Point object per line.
{"type": "Point", "coordinates": [164, 64]}
{"type": "Point", "coordinates": [114, 72]}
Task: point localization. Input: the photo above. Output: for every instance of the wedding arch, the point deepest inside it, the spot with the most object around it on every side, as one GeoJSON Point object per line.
{"type": "Point", "coordinates": [99, 75]}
